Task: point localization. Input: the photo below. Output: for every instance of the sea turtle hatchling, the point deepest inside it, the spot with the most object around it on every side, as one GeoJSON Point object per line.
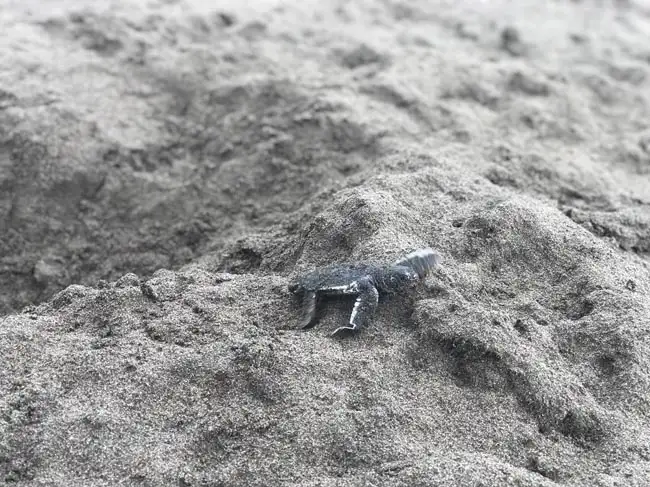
{"type": "Point", "coordinates": [365, 281]}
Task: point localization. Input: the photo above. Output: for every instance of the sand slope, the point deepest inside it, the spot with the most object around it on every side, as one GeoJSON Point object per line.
{"type": "Point", "coordinates": [166, 168]}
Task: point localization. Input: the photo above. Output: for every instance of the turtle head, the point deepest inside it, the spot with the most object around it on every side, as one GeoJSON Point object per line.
{"type": "Point", "coordinates": [399, 277]}
{"type": "Point", "coordinates": [295, 287]}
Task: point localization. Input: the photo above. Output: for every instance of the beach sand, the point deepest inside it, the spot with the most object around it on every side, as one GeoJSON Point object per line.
{"type": "Point", "coordinates": [167, 167]}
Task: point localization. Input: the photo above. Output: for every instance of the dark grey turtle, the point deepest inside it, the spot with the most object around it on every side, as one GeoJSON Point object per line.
{"type": "Point", "coordinates": [365, 281]}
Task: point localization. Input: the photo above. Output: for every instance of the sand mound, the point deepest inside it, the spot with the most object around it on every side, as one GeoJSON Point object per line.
{"type": "Point", "coordinates": [166, 169]}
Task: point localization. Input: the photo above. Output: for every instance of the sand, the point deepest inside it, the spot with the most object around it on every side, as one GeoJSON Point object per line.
{"type": "Point", "coordinates": [166, 168]}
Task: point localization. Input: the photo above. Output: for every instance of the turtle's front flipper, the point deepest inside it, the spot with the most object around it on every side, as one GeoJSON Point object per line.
{"type": "Point", "coordinates": [421, 261]}
{"type": "Point", "coordinates": [364, 307]}
{"type": "Point", "coordinates": [309, 300]}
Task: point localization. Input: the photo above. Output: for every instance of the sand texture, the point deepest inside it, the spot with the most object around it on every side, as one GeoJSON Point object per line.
{"type": "Point", "coordinates": [167, 167]}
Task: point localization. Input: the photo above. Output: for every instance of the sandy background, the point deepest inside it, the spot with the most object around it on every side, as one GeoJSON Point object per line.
{"type": "Point", "coordinates": [167, 167]}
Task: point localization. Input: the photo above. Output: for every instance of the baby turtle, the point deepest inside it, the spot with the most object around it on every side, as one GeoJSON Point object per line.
{"type": "Point", "coordinates": [365, 281]}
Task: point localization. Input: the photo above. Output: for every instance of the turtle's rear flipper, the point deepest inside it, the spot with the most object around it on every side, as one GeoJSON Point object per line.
{"type": "Point", "coordinates": [421, 261]}
{"type": "Point", "coordinates": [364, 307]}
{"type": "Point", "coordinates": [309, 300]}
